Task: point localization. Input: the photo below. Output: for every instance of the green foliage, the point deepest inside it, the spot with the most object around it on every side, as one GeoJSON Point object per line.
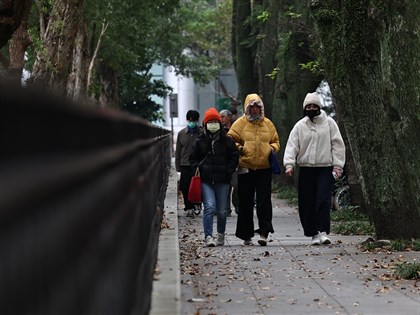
{"type": "Point", "coordinates": [353, 228]}
{"type": "Point", "coordinates": [273, 74]}
{"type": "Point", "coordinates": [291, 14]}
{"type": "Point", "coordinates": [287, 192]}
{"type": "Point", "coordinates": [399, 245]}
{"type": "Point", "coordinates": [263, 16]}
{"type": "Point", "coordinates": [408, 270]}
{"type": "Point", "coordinates": [350, 221]}
{"type": "Point", "coordinates": [402, 245]}
{"type": "Point", "coordinates": [312, 66]}
{"type": "Point", "coordinates": [416, 245]}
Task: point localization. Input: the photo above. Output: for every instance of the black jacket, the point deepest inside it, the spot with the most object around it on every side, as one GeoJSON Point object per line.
{"type": "Point", "coordinates": [221, 160]}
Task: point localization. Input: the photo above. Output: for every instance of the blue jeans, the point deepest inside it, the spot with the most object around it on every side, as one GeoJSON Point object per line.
{"type": "Point", "coordinates": [214, 201]}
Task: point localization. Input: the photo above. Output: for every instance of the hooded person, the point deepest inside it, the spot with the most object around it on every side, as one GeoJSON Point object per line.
{"type": "Point", "coordinates": [255, 137]}
{"type": "Point", "coordinates": [316, 145]}
{"type": "Point", "coordinates": [217, 158]}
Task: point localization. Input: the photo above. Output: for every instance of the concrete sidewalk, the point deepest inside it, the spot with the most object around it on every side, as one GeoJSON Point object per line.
{"type": "Point", "coordinates": [288, 276]}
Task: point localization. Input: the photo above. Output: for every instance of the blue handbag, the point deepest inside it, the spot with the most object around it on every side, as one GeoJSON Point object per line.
{"type": "Point", "coordinates": [275, 167]}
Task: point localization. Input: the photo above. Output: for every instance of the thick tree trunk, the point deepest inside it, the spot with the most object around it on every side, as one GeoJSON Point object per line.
{"type": "Point", "coordinates": [267, 55]}
{"type": "Point", "coordinates": [371, 57]}
{"type": "Point", "coordinates": [11, 14]}
{"type": "Point", "coordinates": [18, 45]}
{"type": "Point", "coordinates": [54, 63]}
{"type": "Point", "coordinates": [292, 83]}
{"type": "Point", "coordinates": [247, 79]}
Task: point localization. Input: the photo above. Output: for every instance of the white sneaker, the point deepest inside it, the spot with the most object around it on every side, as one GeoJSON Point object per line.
{"type": "Point", "coordinates": [323, 238]}
{"type": "Point", "coordinates": [220, 239]}
{"type": "Point", "coordinates": [210, 241]}
{"type": "Point", "coordinates": [262, 240]}
{"type": "Point", "coordinates": [316, 240]}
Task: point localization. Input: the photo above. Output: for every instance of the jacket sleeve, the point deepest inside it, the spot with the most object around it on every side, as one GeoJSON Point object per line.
{"type": "Point", "coordinates": [292, 148]}
{"type": "Point", "coordinates": [233, 159]}
{"type": "Point", "coordinates": [235, 132]}
{"type": "Point", "coordinates": [338, 150]}
{"type": "Point", "coordinates": [274, 141]}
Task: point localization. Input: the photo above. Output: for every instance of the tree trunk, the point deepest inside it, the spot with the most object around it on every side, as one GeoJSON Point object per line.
{"type": "Point", "coordinates": [267, 55]}
{"type": "Point", "coordinates": [247, 80]}
{"type": "Point", "coordinates": [11, 14]}
{"type": "Point", "coordinates": [370, 51]}
{"type": "Point", "coordinates": [77, 79]}
{"type": "Point", "coordinates": [54, 63]}
{"type": "Point", "coordinates": [18, 45]}
{"type": "Point", "coordinates": [292, 83]}
{"type": "Point", "coordinates": [109, 86]}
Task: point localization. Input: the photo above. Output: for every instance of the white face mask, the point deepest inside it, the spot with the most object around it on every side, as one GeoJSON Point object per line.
{"type": "Point", "coordinates": [213, 127]}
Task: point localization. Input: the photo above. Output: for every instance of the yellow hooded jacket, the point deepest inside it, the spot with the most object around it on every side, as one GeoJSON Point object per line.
{"type": "Point", "coordinates": [254, 138]}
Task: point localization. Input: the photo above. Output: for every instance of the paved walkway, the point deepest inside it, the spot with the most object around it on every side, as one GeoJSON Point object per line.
{"type": "Point", "coordinates": [288, 276]}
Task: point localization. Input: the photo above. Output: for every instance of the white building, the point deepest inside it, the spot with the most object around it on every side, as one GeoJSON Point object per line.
{"type": "Point", "coordinates": [191, 95]}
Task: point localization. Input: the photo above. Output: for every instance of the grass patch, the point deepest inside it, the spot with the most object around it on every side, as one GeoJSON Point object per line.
{"type": "Point", "coordinates": [400, 245]}
{"type": "Point", "coordinates": [408, 270]}
{"type": "Point", "coordinates": [350, 221]}
{"type": "Point", "coordinates": [288, 193]}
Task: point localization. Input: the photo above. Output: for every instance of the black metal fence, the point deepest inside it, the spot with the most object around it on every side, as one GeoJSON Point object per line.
{"type": "Point", "coordinates": [80, 197]}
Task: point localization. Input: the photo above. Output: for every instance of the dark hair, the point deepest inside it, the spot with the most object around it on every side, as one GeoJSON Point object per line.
{"type": "Point", "coordinates": [233, 110]}
{"type": "Point", "coordinates": [193, 114]}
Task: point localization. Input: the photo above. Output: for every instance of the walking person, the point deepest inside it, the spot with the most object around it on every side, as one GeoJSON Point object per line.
{"type": "Point", "coordinates": [316, 145]}
{"type": "Point", "coordinates": [217, 158]}
{"type": "Point", "coordinates": [226, 119]}
{"type": "Point", "coordinates": [255, 137]}
{"type": "Point", "coordinates": [184, 143]}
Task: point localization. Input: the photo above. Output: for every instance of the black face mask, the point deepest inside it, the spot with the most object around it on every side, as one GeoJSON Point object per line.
{"type": "Point", "coordinates": [312, 113]}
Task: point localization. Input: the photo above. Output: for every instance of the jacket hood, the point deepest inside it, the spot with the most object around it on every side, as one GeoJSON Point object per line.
{"type": "Point", "coordinates": [250, 100]}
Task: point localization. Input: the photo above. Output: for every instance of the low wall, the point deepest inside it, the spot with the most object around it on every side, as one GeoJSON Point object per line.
{"type": "Point", "coordinates": [80, 196]}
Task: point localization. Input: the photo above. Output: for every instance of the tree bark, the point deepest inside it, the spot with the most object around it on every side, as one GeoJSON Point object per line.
{"type": "Point", "coordinates": [54, 63]}
{"type": "Point", "coordinates": [370, 51]}
{"type": "Point", "coordinates": [247, 79]}
{"type": "Point", "coordinates": [77, 79]}
{"type": "Point", "coordinates": [109, 86]}
{"type": "Point", "coordinates": [11, 14]}
{"type": "Point", "coordinates": [18, 45]}
{"type": "Point", "coordinates": [267, 55]}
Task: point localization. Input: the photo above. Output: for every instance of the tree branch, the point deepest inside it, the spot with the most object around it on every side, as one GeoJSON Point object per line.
{"type": "Point", "coordinates": [105, 25]}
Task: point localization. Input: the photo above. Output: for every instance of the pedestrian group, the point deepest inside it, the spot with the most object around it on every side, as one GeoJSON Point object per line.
{"type": "Point", "coordinates": [233, 157]}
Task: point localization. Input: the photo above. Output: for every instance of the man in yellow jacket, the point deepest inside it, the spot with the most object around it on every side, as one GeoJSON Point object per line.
{"type": "Point", "coordinates": [255, 137]}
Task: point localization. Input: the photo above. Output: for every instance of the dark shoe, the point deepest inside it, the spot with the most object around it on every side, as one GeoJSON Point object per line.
{"type": "Point", "coordinates": [248, 242]}
{"type": "Point", "coordinates": [197, 209]}
{"type": "Point", "coordinates": [262, 240]}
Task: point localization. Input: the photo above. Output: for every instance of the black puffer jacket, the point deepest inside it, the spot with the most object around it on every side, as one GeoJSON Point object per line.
{"type": "Point", "coordinates": [221, 154]}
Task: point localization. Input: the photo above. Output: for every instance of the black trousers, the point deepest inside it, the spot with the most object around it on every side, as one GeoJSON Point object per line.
{"type": "Point", "coordinates": [253, 183]}
{"type": "Point", "coordinates": [315, 189]}
{"type": "Point", "coordinates": [184, 184]}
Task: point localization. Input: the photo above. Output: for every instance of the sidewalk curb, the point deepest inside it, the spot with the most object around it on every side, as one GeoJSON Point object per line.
{"type": "Point", "coordinates": [166, 294]}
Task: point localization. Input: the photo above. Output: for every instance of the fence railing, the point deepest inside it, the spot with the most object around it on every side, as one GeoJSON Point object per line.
{"type": "Point", "coordinates": [81, 193]}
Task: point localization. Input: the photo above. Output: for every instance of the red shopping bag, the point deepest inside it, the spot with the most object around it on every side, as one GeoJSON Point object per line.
{"type": "Point", "coordinates": [194, 193]}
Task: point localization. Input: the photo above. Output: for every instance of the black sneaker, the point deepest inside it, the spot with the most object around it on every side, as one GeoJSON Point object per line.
{"type": "Point", "coordinates": [197, 209]}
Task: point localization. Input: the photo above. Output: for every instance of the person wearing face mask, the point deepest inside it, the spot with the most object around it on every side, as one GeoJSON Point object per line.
{"type": "Point", "coordinates": [184, 143]}
{"type": "Point", "coordinates": [316, 145]}
{"type": "Point", "coordinates": [255, 137]}
{"type": "Point", "coordinates": [217, 158]}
